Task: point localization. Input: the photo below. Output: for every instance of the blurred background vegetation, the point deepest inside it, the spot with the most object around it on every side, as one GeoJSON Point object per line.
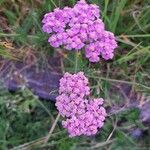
{"type": "Point", "coordinates": [124, 82]}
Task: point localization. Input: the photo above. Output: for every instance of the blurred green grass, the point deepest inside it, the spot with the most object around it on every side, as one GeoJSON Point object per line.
{"type": "Point", "coordinates": [25, 120]}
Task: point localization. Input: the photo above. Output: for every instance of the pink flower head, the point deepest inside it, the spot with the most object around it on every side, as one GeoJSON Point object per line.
{"type": "Point", "coordinates": [84, 116]}
{"type": "Point", "coordinates": [80, 27]}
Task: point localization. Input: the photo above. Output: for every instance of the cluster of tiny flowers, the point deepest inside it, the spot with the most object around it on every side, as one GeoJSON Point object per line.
{"type": "Point", "coordinates": [84, 117]}
{"type": "Point", "coordinates": [72, 90]}
{"type": "Point", "coordinates": [80, 27]}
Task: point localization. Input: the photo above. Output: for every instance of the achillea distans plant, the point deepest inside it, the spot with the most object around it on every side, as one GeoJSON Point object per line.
{"type": "Point", "coordinates": [80, 28]}
{"type": "Point", "coordinates": [84, 115]}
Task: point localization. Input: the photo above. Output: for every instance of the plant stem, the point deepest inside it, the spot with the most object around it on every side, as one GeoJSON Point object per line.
{"type": "Point", "coordinates": [52, 129]}
{"type": "Point", "coordinates": [76, 62]}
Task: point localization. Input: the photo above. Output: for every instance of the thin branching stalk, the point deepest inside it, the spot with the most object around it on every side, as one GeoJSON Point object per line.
{"type": "Point", "coordinates": [52, 129]}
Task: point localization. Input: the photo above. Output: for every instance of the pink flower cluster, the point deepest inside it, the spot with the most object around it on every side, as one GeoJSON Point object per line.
{"type": "Point", "coordinates": [72, 90]}
{"type": "Point", "coordinates": [84, 116]}
{"type": "Point", "coordinates": [80, 27]}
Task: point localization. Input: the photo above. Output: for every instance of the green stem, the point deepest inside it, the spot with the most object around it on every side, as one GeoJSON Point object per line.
{"type": "Point", "coordinates": [54, 3]}
{"type": "Point", "coordinates": [76, 62]}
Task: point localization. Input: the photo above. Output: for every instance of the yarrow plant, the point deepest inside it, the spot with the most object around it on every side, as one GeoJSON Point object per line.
{"type": "Point", "coordinates": [79, 28]}
{"type": "Point", "coordinates": [84, 116]}
{"type": "Point", "coordinates": [75, 29]}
